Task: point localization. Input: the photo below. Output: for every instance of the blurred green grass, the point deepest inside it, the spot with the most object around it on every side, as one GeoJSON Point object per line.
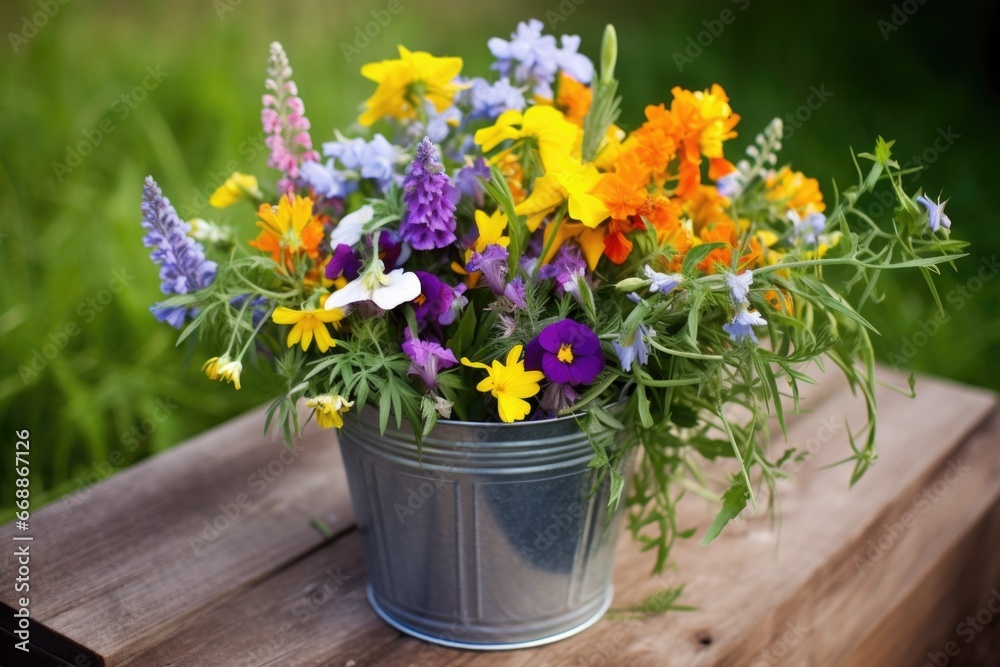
{"type": "Point", "coordinates": [99, 404]}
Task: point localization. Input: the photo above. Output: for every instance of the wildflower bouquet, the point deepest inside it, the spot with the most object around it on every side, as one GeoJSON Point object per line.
{"type": "Point", "coordinates": [501, 249]}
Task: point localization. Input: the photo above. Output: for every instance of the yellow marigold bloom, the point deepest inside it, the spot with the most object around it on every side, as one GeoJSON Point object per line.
{"type": "Point", "coordinates": [510, 384]}
{"type": "Point", "coordinates": [796, 190]}
{"type": "Point", "coordinates": [329, 408]}
{"type": "Point", "coordinates": [404, 85]}
{"type": "Point", "coordinates": [309, 324]}
{"type": "Point", "coordinates": [289, 229]}
{"type": "Point", "coordinates": [223, 368]}
{"type": "Point", "coordinates": [236, 188]}
{"type": "Point", "coordinates": [558, 140]}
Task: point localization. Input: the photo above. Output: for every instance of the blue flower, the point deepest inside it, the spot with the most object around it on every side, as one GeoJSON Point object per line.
{"type": "Point", "coordinates": [572, 62]}
{"type": "Point", "coordinates": [532, 59]}
{"type": "Point", "coordinates": [635, 349]}
{"type": "Point", "coordinates": [183, 267]}
{"type": "Point", "coordinates": [936, 217]}
{"type": "Point", "coordinates": [352, 160]}
{"type": "Point", "coordinates": [730, 185]}
{"type": "Point", "coordinates": [489, 100]}
{"type": "Point", "coordinates": [664, 283]}
{"type": "Point", "coordinates": [742, 325]}
{"type": "Point", "coordinates": [739, 285]}
{"type": "Point", "coordinates": [468, 183]}
{"type": "Point", "coordinates": [809, 228]}
{"type": "Point", "coordinates": [438, 125]}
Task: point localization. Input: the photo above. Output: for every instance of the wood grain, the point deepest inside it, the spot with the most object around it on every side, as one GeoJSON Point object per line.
{"type": "Point", "coordinates": [273, 592]}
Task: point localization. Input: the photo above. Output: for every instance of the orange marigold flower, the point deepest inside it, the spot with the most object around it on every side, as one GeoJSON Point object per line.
{"type": "Point", "coordinates": [796, 190]}
{"type": "Point", "coordinates": [703, 121]}
{"type": "Point", "coordinates": [623, 199]}
{"type": "Point", "coordinates": [617, 246]}
{"type": "Point", "coordinates": [780, 301]}
{"type": "Point", "coordinates": [289, 229]}
{"type": "Point", "coordinates": [720, 231]}
{"type": "Point", "coordinates": [574, 98]}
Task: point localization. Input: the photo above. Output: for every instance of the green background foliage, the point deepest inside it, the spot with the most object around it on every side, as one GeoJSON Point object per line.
{"type": "Point", "coordinates": [117, 390]}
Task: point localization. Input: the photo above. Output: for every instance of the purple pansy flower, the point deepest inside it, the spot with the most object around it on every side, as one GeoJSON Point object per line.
{"type": "Point", "coordinates": [430, 199]}
{"type": "Point", "coordinates": [492, 262]}
{"type": "Point", "coordinates": [634, 350]}
{"type": "Point", "coordinates": [183, 267]}
{"type": "Point", "coordinates": [435, 299]}
{"type": "Point", "coordinates": [427, 358]}
{"type": "Point", "coordinates": [742, 325]}
{"type": "Point", "coordinates": [567, 353]}
{"type": "Point", "coordinates": [344, 262]}
{"type": "Point", "coordinates": [936, 217]}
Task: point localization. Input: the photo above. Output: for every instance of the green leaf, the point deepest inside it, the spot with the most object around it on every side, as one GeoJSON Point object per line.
{"type": "Point", "coordinates": [697, 255]}
{"type": "Point", "coordinates": [734, 501]}
{"type": "Point", "coordinates": [464, 335]}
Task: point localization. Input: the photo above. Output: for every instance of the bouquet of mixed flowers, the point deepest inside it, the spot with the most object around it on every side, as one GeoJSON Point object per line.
{"type": "Point", "coordinates": [502, 250]}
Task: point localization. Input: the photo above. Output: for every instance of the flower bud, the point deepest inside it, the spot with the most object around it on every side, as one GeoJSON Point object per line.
{"type": "Point", "coordinates": [609, 54]}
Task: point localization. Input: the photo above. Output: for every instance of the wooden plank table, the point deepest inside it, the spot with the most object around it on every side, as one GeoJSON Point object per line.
{"type": "Point", "coordinates": [205, 555]}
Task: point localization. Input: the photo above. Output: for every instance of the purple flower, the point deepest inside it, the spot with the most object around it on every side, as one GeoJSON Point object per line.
{"type": "Point", "coordinates": [936, 217]}
{"type": "Point", "coordinates": [183, 267]}
{"type": "Point", "coordinates": [557, 397]}
{"type": "Point", "coordinates": [352, 160]}
{"type": "Point", "coordinates": [635, 349]}
{"type": "Point", "coordinates": [391, 249]}
{"type": "Point", "coordinates": [567, 353]}
{"type": "Point", "coordinates": [344, 262]}
{"type": "Point", "coordinates": [566, 267]}
{"type": "Point", "coordinates": [427, 358]}
{"type": "Point", "coordinates": [531, 58]}
{"type": "Point", "coordinates": [514, 291]}
{"type": "Point", "coordinates": [492, 262]}
{"type": "Point", "coordinates": [664, 283]}
{"type": "Point", "coordinates": [468, 183]}
{"type": "Point", "coordinates": [438, 125]}
{"type": "Point", "coordinates": [459, 302]}
{"type": "Point", "coordinates": [730, 185]}
{"type": "Point", "coordinates": [739, 285]}
{"type": "Point", "coordinates": [430, 199]}
{"type": "Point", "coordinates": [742, 325]}
{"type": "Point", "coordinates": [434, 301]}
{"type": "Point", "coordinates": [489, 100]}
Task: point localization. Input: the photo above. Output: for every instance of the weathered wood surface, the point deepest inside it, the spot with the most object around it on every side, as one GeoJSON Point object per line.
{"type": "Point", "coordinates": [127, 573]}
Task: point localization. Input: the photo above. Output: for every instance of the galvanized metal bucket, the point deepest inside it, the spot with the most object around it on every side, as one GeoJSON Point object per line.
{"type": "Point", "coordinates": [490, 539]}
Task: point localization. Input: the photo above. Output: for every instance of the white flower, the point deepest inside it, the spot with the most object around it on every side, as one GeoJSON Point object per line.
{"type": "Point", "coordinates": [740, 285]}
{"type": "Point", "coordinates": [348, 230]}
{"type": "Point", "coordinates": [386, 290]}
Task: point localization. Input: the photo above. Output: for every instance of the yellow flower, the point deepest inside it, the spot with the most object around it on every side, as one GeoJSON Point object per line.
{"type": "Point", "coordinates": [798, 192]}
{"type": "Point", "coordinates": [236, 188]}
{"type": "Point", "coordinates": [558, 140]}
{"type": "Point", "coordinates": [415, 77]}
{"type": "Point", "coordinates": [288, 229]}
{"type": "Point", "coordinates": [309, 324]}
{"type": "Point", "coordinates": [576, 185]}
{"type": "Point", "coordinates": [328, 409]}
{"type": "Point", "coordinates": [223, 368]}
{"type": "Point", "coordinates": [510, 384]}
